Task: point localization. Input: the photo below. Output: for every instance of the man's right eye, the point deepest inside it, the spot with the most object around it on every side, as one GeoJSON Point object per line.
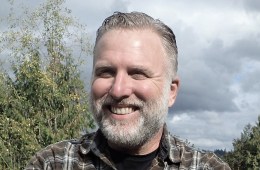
{"type": "Point", "coordinates": [104, 73]}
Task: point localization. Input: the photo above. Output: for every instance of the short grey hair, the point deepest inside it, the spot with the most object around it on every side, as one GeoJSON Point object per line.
{"type": "Point", "coordinates": [138, 20]}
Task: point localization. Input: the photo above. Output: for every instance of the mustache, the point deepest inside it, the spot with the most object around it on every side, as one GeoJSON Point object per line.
{"type": "Point", "coordinates": [108, 100]}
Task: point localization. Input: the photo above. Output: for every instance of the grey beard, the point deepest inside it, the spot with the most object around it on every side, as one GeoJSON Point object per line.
{"type": "Point", "coordinates": [144, 129]}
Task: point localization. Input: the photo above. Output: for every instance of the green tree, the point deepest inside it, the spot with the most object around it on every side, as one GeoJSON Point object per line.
{"type": "Point", "coordinates": [42, 99]}
{"type": "Point", "coordinates": [246, 153]}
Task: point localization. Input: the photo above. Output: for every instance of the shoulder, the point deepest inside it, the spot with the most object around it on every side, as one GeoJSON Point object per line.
{"type": "Point", "coordinates": [193, 158]}
{"type": "Point", "coordinates": [58, 153]}
{"type": "Point", "coordinates": [210, 160]}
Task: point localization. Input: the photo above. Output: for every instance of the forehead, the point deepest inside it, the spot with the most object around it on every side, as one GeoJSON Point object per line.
{"type": "Point", "coordinates": [125, 40]}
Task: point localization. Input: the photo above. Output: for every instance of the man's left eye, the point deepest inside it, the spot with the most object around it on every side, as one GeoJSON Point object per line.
{"type": "Point", "coordinates": [138, 76]}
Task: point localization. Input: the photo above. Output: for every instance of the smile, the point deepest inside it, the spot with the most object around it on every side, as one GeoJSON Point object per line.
{"type": "Point", "coordinates": [122, 110]}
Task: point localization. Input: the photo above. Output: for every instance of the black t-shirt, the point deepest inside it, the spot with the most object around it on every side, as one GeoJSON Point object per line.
{"type": "Point", "coordinates": [125, 161]}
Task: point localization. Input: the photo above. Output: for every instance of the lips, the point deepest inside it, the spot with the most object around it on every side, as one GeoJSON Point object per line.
{"type": "Point", "coordinates": [122, 110]}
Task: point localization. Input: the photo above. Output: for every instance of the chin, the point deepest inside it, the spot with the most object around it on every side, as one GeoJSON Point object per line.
{"type": "Point", "coordinates": [124, 133]}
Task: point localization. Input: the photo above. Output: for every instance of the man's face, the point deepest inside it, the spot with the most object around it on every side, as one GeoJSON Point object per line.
{"type": "Point", "coordinates": [130, 92]}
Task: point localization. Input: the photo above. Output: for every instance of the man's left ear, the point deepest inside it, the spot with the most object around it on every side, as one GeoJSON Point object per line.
{"type": "Point", "coordinates": [173, 91]}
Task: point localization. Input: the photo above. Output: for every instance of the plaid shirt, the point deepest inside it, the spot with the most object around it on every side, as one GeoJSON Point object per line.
{"type": "Point", "coordinates": [91, 152]}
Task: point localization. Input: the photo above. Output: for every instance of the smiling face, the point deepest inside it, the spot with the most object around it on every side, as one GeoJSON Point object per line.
{"type": "Point", "coordinates": [131, 92]}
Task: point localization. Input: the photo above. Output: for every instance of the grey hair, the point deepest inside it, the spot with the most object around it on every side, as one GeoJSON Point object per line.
{"type": "Point", "coordinates": [138, 20]}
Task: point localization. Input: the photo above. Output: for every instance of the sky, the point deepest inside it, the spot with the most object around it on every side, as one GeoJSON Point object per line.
{"type": "Point", "coordinates": [219, 62]}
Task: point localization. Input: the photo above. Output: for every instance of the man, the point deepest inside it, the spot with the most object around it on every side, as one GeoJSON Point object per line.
{"type": "Point", "coordinates": [134, 82]}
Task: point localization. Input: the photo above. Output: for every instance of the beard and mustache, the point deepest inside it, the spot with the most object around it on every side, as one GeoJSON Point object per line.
{"type": "Point", "coordinates": [134, 133]}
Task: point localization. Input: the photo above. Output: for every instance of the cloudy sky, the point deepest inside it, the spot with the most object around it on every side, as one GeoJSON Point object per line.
{"type": "Point", "coordinates": [219, 62]}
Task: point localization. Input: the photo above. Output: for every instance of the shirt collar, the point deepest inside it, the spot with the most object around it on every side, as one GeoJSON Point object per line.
{"type": "Point", "coordinates": [93, 141]}
{"type": "Point", "coordinates": [169, 148]}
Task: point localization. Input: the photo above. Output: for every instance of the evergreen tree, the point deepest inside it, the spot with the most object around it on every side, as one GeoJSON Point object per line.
{"type": "Point", "coordinates": [43, 99]}
{"type": "Point", "coordinates": [220, 152]}
{"type": "Point", "coordinates": [246, 153]}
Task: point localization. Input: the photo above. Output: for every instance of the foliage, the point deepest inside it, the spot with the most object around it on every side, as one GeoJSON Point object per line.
{"type": "Point", "coordinates": [220, 152]}
{"type": "Point", "coordinates": [246, 153]}
{"type": "Point", "coordinates": [42, 98]}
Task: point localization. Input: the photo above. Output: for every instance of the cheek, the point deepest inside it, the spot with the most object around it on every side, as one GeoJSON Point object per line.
{"type": "Point", "coordinates": [99, 88]}
{"type": "Point", "coordinates": [147, 91]}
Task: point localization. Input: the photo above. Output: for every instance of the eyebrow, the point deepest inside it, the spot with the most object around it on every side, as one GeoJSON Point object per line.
{"type": "Point", "coordinates": [134, 68]}
{"type": "Point", "coordinates": [140, 68]}
{"type": "Point", "coordinates": [103, 67]}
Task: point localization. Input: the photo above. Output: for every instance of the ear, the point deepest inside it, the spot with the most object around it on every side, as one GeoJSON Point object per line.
{"type": "Point", "coordinates": [173, 91]}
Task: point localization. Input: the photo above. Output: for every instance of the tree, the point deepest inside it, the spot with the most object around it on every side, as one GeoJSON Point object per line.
{"type": "Point", "coordinates": [246, 153]}
{"type": "Point", "coordinates": [220, 152]}
{"type": "Point", "coordinates": [42, 98]}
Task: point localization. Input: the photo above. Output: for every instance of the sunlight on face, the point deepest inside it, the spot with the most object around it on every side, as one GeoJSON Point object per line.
{"type": "Point", "coordinates": [130, 92]}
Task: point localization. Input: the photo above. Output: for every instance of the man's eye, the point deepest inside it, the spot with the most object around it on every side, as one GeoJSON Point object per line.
{"type": "Point", "coordinates": [139, 76]}
{"type": "Point", "coordinates": [104, 74]}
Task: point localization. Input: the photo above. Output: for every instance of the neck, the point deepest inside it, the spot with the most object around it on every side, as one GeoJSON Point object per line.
{"type": "Point", "coordinates": [150, 146]}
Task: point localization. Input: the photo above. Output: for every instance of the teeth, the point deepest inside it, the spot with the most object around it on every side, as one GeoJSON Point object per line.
{"type": "Point", "coordinates": [122, 110]}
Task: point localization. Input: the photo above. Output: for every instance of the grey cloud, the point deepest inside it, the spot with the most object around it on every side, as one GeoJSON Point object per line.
{"type": "Point", "coordinates": [250, 82]}
{"type": "Point", "coordinates": [234, 59]}
{"type": "Point", "coordinates": [207, 77]}
{"type": "Point", "coordinates": [221, 58]}
{"type": "Point", "coordinates": [252, 5]}
{"type": "Point", "coordinates": [201, 94]}
{"type": "Point", "coordinates": [205, 81]}
{"type": "Point", "coordinates": [248, 51]}
{"type": "Point", "coordinates": [248, 47]}
{"type": "Point", "coordinates": [229, 60]}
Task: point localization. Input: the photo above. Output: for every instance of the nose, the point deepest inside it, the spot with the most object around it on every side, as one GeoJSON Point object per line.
{"type": "Point", "coordinates": [121, 87]}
